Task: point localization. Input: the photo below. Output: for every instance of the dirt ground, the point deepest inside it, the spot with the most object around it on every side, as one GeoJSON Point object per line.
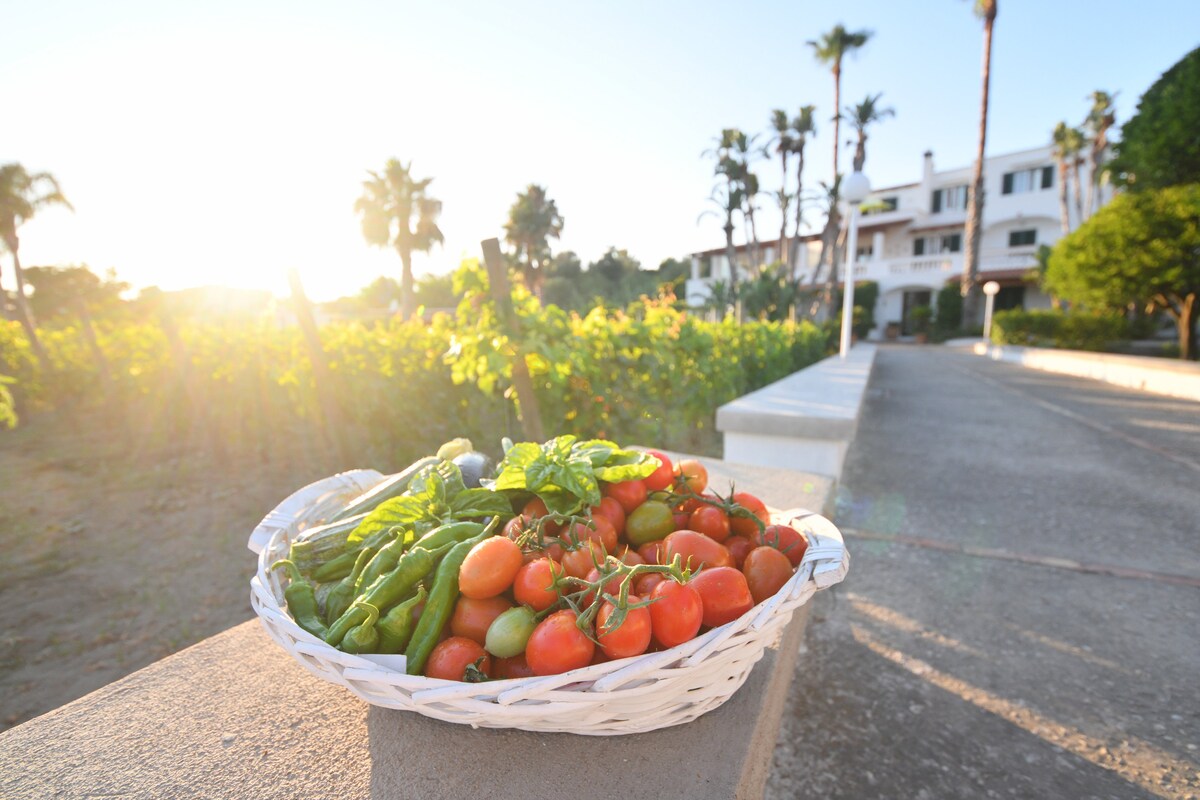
{"type": "Point", "coordinates": [116, 554]}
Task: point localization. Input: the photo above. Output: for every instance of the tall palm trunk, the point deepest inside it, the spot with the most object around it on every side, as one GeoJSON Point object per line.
{"type": "Point", "coordinates": [24, 312]}
{"type": "Point", "coordinates": [408, 299]}
{"type": "Point", "coordinates": [799, 203]}
{"type": "Point", "coordinates": [1078, 193]}
{"type": "Point", "coordinates": [860, 152]}
{"type": "Point", "coordinates": [970, 278]}
{"type": "Point", "coordinates": [753, 233]}
{"type": "Point", "coordinates": [837, 114]}
{"type": "Point", "coordinates": [730, 253]}
{"type": "Point", "coordinates": [1064, 209]}
{"type": "Point", "coordinates": [784, 255]}
{"type": "Point", "coordinates": [1099, 144]}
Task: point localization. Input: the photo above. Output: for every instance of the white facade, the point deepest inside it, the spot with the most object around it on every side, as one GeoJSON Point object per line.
{"type": "Point", "coordinates": [911, 238]}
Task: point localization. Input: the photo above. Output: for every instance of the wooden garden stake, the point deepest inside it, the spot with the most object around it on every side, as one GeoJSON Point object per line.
{"type": "Point", "coordinates": [527, 405]}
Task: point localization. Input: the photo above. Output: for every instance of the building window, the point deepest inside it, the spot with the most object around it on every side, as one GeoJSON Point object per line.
{"type": "Point", "coordinates": [952, 198]}
{"type": "Point", "coordinates": [933, 245]}
{"type": "Point", "coordinates": [865, 252]}
{"type": "Point", "coordinates": [1022, 238]}
{"type": "Point", "coordinates": [1028, 180]}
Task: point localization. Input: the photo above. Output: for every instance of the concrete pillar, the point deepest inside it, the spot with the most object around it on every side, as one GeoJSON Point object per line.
{"type": "Point", "coordinates": [695, 268]}
{"type": "Point", "coordinates": [877, 246]}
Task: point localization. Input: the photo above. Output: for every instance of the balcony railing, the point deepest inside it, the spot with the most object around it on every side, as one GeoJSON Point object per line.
{"type": "Point", "coordinates": [990, 260]}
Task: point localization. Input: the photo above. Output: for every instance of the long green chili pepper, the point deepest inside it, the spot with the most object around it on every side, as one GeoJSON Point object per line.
{"type": "Point", "coordinates": [363, 638]}
{"type": "Point", "coordinates": [446, 534]}
{"type": "Point", "coordinates": [396, 627]}
{"type": "Point", "coordinates": [388, 589]}
{"type": "Point", "coordinates": [301, 600]}
{"type": "Point", "coordinates": [440, 604]}
{"type": "Point", "coordinates": [384, 561]}
{"type": "Point", "coordinates": [344, 593]}
{"type": "Point", "coordinates": [339, 567]}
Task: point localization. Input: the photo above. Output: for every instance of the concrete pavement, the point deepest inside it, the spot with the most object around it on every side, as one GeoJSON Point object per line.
{"type": "Point", "coordinates": [1010, 672]}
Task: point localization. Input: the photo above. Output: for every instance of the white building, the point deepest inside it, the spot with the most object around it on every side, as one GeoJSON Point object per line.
{"type": "Point", "coordinates": [911, 237]}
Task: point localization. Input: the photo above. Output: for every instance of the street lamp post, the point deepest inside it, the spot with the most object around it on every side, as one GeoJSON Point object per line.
{"type": "Point", "coordinates": [855, 189]}
{"type": "Point", "coordinates": [990, 289]}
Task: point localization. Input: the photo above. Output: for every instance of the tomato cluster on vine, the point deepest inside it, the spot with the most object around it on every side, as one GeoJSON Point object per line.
{"type": "Point", "coordinates": [656, 563]}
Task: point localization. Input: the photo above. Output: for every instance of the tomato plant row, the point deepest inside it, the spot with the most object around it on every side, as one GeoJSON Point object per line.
{"type": "Point", "coordinates": [650, 372]}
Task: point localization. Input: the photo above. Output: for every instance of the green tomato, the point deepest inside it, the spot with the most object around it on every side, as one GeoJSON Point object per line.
{"type": "Point", "coordinates": [649, 522]}
{"type": "Point", "coordinates": [508, 633]}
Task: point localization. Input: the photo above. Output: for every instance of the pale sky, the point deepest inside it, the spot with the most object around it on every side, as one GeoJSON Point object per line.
{"type": "Point", "coordinates": [224, 142]}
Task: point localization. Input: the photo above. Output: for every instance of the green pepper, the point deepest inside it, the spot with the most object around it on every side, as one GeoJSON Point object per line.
{"type": "Point", "coordinates": [387, 590]}
{"type": "Point", "coordinates": [384, 561]}
{"type": "Point", "coordinates": [301, 599]}
{"type": "Point", "coordinates": [439, 606]}
{"type": "Point", "coordinates": [339, 567]}
{"type": "Point", "coordinates": [344, 593]}
{"type": "Point", "coordinates": [446, 534]}
{"type": "Point", "coordinates": [395, 628]}
{"type": "Point", "coordinates": [363, 638]}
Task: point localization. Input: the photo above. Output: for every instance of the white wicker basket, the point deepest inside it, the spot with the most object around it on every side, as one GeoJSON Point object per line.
{"type": "Point", "coordinates": [631, 695]}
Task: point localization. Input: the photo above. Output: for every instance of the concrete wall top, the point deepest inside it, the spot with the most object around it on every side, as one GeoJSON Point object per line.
{"type": "Point", "coordinates": [819, 402]}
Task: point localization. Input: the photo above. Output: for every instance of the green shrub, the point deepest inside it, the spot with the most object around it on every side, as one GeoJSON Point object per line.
{"type": "Point", "coordinates": [1070, 331]}
{"type": "Point", "coordinates": [949, 309]}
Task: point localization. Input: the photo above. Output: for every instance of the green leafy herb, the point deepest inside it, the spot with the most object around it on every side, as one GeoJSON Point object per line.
{"type": "Point", "coordinates": [565, 473]}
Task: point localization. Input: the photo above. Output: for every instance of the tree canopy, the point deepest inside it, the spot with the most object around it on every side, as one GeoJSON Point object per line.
{"type": "Point", "coordinates": [1160, 145]}
{"type": "Point", "coordinates": [1141, 248]}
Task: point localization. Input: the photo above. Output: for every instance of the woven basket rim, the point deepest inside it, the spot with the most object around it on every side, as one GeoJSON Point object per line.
{"type": "Point", "coordinates": [825, 563]}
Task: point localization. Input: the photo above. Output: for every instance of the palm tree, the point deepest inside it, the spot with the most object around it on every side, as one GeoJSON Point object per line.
{"type": "Point", "coordinates": [1068, 142]}
{"type": "Point", "coordinates": [533, 221]}
{"type": "Point", "coordinates": [860, 117]}
{"type": "Point", "coordinates": [1099, 120]}
{"type": "Point", "coordinates": [21, 196]}
{"type": "Point", "coordinates": [785, 145]}
{"type": "Point", "coordinates": [397, 210]}
{"type": "Point", "coordinates": [985, 10]}
{"type": "Point", "coordinates": [728, 198]}
{"type": "Point", "coordinates": [830, 49]}
{"type": "Point", "coordinates": [803, 126]}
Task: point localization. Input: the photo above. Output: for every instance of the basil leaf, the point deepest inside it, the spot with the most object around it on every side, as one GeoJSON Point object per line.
{"type": "Point", "coordinates": [471, 503]}
{"type": "Point", "coordinates": [627, 465]}
{"type": "Point", "coordinates": [598, 451]}
{"type": "Point", "coordinates": [559, 502]}
{"type": "Point", "coordinates": [404, 511]}
{"type": "Point", "coordinates": [512, 468]}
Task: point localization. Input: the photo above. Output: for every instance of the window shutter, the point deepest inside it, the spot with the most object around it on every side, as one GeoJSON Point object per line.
{"type": "Point", "coordinates": [954, 242]}
{"type": "Point", "coordinates": [918, 247]}
{"type": "Point", "coordinates": [1008, 183]}
{"type": "Point", "coordinates": [1047, 177]}
{"type": "Point", "coordinates": [937, 200]}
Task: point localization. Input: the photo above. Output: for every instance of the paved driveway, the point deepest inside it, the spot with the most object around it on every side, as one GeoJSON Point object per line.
{"type": "Point", "coordinates": [1022, 614]}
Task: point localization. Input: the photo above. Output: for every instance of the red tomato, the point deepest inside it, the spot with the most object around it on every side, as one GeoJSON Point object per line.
{"type": "Point", "coordinates": [600, 531]}
{"type": "Point", "coordinates": [580, 561]}
{"type": "Point", "coordinates": [472, 618]}
{"type": "Point", "coordinates": [651, 552]}
{"type": "Point", "coordinates": [519, 525]}
{"type": "Point", "coordinates": [664, 476]}
{"type": "Point", "coordinates": [630, 494]}
{"type": "Point", "coordinates": [724, 593]}
{"type": "Point", "coordinates": [631, 638]}
{"type": "Point", "coordinates": [536, 509]}
{"type": "Point", "coordinates": [611, 586]}
{"type": "Point", "coordinates": [787, 540]}
{"type": "Point", "coordinates": [534, 584]}
{"type": "Point", "coordinates": [450, 659]}
{"type": "Point", "coordinates": [514, 667]}
{"type": "Point", "coordinates": [489, 568]}
{"type": "Point", "coordinates": [676, 613]}
{"type": "Point", "coordinates": [711, 521]}
{"type": "Point", "coordinates": [744, 526]}
{"type": "Point", "coordinates": [766, 570]}
{"type": "Point", "coordinates": [697, 550]}
{"type": "Point", "coordinates": [693, 473]}
{"type": "Point", "coordinates": [643, 585]}
{"type": "Point", "coordinates": [557, 645]}
{"type": "Point", "coordinates": [681, 520]}
{"type": "Point", "coordinates": [630, 556]}
{"type": "Point", "coordinates": [739, 547]}
{"type": "Point", "coordinates": [611, 510]}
